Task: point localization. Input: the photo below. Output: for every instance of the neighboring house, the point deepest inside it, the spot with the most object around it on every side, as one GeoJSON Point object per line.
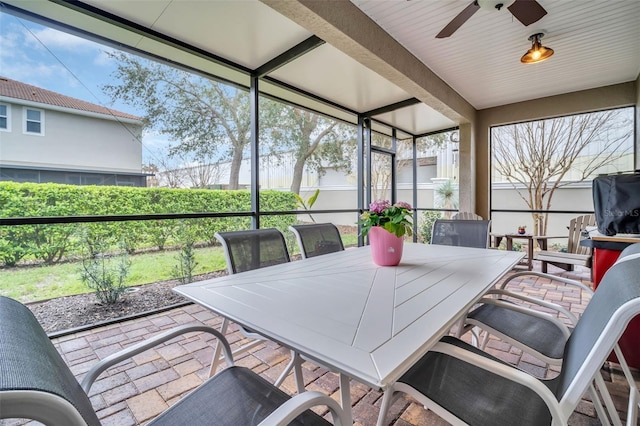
{"type": "Point", "coordinates": [49, 137]}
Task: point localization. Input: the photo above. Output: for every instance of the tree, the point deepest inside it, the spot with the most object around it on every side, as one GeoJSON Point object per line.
{"type": "Point", "coordinates": [212, 123]}
{"type": "Point", "coordinates": [314, 140]}
{"type": "Point", "coordinates": [542, 156]}
{"type": "Point", "coordinates": [208, 119]}
{"type": "Point", "coordinates": [446, 196]}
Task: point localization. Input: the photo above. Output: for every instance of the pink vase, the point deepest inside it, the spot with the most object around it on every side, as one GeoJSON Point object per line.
{"type": "Point", "coordinates": [386, 248]}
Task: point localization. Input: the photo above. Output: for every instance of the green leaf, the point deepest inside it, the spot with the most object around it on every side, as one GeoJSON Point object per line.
{"type": "Point", "coordinates": [313, 198]}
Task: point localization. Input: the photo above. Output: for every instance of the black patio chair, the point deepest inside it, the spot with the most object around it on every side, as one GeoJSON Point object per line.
{"type": "Point", "coordinates": [461, 383]}
{"type": "Point", "coordinates": [35, 383]}
{"type": "Point", "coordinates": [317, 239]}
{"type": "Point", "coordinates": [533, 331]}
{"type": "Point", "coordinates": [246, 251]}
{"type": "Point", "coordinates": [462, 233]}
{"type": "Point", "coordinates": [253, 249]}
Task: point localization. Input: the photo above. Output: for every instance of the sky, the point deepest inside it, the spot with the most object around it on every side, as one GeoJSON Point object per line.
{"type": "Point", "coordinates": [65, 64]}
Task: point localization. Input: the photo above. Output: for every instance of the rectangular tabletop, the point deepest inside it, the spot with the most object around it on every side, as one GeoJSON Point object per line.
{"type": "Point", "coordinates": [340, 309]}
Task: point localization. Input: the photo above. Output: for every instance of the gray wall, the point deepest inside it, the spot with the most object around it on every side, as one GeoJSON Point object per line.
{"type": "Point", "coordinates": [619, 95]}
{"type": "Point", "coordinates": [73, 142]}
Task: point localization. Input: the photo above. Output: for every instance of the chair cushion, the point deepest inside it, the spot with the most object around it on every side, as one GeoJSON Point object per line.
{"type": "Point", "coordinates": [533, 332]}
{"type": "Point", "coordinates": [476, 396]}
{"type": "Point", "coordinates": [29, 361]}
{"type": "Point", "coordinates": [235, 396]}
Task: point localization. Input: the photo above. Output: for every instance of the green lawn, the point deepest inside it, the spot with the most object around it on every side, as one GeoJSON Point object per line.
{"type": "Point", "coordinates": [32, 283]}
{"type": "Point", "coordinates": [29, 284]}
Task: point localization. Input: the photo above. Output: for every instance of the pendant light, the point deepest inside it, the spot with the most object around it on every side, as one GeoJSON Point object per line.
{"type": "Point", "coordinates": [538, 52]}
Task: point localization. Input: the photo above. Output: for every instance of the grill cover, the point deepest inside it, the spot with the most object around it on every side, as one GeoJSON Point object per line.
{"type": "Point", "coordinates": [616, 201]}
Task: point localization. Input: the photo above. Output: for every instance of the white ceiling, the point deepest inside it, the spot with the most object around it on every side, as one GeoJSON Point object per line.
{"type": "Point", "coordinates": [597, 43]}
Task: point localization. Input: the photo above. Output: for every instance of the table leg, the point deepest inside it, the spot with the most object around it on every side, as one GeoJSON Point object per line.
{"type": "Point", "coordinates": [509, 243]}
{"type": "Point", "coordinates": [530, 254]}
{"type": "Point", "coordinates": [542, 243]}
{"type": "Point", "coordinates": [345, 396]}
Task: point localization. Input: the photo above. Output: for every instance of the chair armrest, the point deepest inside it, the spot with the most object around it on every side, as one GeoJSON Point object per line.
{"type": "Point", "coordinates": [113, 359]}
{"type": "Point", "coordinates": [41, 406]}
{"type": "Point", "coordinates": [302, 402]}
{"type": "Point", "coordinates": [534, 301]}
{"type": "Point", "coordinates": [548, 276]}
{"type": "Point", "coordinates": [532, 312]}
{"type": "Point", "coordinates": [504, 370]}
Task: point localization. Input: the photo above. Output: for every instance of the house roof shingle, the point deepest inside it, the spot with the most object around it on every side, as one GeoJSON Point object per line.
{"type": "Point", "coordinates": [17, 90]}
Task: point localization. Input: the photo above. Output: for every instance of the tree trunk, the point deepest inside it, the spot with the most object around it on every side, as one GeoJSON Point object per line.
{"type": "Point", "coordinates": [298, 168]}
{"type": "Point", "coordinates": [234, 172]}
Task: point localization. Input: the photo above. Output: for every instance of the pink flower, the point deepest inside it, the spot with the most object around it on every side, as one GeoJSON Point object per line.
{"type": "Point", "coordinates": [394, 218]}
{"type": "Point", "coordinates": [379, 206]}
{"type": "Point", "coordinates": [403, 205]}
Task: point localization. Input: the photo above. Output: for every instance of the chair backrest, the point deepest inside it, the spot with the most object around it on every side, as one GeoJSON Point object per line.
{"type": "Point", "coordinates": [463, 233]}
{"type": "Point", "coordinates": [615, 302]}
{"type": "Point", "coordinates": [317, 239]}
{"type": "Point", "coordinates": [632, 251]}
{"type": "Point", "coordinates": [576, 226]}
{"type": "Point", "coordinates": [466, 216]}
{"type": "Point", "coordinates": [35, 382]}
{"type": "Point", "coordinates": [253, 249]}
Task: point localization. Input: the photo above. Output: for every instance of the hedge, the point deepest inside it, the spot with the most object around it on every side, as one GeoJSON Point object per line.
{"type": "Point", "coordinates": [52, 243]}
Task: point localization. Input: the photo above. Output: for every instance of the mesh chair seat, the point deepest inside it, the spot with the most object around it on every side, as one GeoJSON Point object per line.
{"type": "Point", "coordinates": [253, 249]}
{"type": "Point", "coordinates": [476, 396]}
{"type": "Point", "coordinates": [35, 383]}
{"type": "Point", "coordinates": [534, 332]}
{"type": "Point", "coordinates": [462, 233]}
{"type": "Point", "coordinates": [245, 251]}
{"type": "Point", "coordinates": [235, 396]}
{"type": "Point", "coordinates": [317, 239]}
{"type": "Point", "coordinates": [460, 381]}
{"type": "Point", "coordinates": [30, 362]}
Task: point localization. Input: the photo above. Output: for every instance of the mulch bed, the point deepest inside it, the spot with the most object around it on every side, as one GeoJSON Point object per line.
{"type": "Point", "coordinates": [69, 312]}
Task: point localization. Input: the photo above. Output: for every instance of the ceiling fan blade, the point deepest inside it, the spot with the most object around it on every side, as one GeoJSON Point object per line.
{"type": "Point", "coordinates": [459, 20]}
{"type": "Point", "coordinates": [527, 11]}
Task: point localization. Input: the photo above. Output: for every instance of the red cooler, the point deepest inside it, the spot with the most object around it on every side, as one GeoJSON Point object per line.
{"type": "Point", "coordinates": [603, 259]}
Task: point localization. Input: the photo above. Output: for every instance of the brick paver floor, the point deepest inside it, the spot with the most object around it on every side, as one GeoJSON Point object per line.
{"type": "Point", "coordinates": [137, 390]}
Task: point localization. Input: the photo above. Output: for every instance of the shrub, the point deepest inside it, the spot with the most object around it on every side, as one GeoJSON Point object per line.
{"type": "Point", "coordinates": [105, 273]}
{"type": "Point", "coordinates": [52, 243]}
{"type": "Point", "coordinates": [186, 258]}
{"type": "Point", "coordinates": [426, 224]}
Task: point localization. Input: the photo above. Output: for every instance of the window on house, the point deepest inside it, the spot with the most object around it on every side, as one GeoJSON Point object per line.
{"type": "Point", "coordinates": [34, 121]}
{"type": "Point", "coordinates": [5, 120]}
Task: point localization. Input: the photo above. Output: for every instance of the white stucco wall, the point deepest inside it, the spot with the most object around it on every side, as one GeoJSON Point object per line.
{"type": "Point", "coordinates": [576, 198]}
{"type": "Point", "coordinates": [73, 142]}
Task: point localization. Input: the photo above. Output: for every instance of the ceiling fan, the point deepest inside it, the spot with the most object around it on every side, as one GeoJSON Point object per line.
{"type": "Point", "coordinates": [525, 11]}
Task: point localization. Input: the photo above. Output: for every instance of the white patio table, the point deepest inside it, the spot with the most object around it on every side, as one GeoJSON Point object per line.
{"type": "Point", "coordinates": [364, 321]}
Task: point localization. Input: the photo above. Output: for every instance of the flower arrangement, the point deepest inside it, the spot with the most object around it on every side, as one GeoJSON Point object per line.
{"type": "Point", "coordinates": [394, 218]}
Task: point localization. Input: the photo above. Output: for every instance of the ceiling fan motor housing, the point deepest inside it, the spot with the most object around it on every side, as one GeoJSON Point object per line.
{"type": "Point", "coordinates": [494, 4]}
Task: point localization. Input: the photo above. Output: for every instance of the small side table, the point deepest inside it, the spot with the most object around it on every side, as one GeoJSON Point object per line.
{"type": "Point", "coordinates": [540, 239]}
